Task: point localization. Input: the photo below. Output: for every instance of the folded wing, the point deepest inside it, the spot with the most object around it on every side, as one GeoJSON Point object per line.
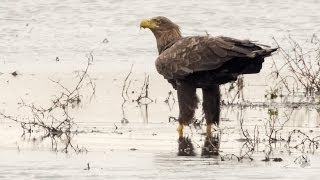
{"type": "Point", "coordinates": [204, 53]}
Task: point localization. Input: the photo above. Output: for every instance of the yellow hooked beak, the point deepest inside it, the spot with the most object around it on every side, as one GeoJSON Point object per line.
{"type": "Point", "coordinates": [148, 23]}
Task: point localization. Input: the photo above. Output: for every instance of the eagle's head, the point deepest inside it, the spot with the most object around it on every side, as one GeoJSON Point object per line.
{"type": "Point", "coordinates": [158, 23]}
{"type": "Point", "coordinates": [165, 31]}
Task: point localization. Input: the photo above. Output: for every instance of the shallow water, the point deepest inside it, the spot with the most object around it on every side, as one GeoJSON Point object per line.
{"type": "Point", "coordinates": [146, 147]}
{"type": "Point", "coordinates": [33, 34]}
{"type": "Point", "coordinates": [138, 165]}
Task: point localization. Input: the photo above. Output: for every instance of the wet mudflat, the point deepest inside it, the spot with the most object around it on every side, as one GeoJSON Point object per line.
{"type": "Point", "coordinates": [143, 165]}
{"type": "Point", "coordinates": [146, 145]}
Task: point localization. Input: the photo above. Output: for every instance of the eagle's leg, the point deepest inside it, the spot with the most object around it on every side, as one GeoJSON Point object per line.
{"type": "Point", "coordinates": [180, 130]}
{"type": "Point", "coordinates": [188, 102]}
{"type": "Point", "coordinates": [211, 106]}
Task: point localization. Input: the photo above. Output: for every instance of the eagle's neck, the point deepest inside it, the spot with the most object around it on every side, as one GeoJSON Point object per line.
{"type": "Point", "coordinates": [166, 39]}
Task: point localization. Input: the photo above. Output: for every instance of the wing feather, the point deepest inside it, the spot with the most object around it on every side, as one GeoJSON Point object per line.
{"type": "Point", "coordinates": [203, 53]}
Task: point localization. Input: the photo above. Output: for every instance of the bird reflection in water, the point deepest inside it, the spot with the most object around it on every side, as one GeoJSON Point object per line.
{"type": "Point", "coordinates": [210, 147]}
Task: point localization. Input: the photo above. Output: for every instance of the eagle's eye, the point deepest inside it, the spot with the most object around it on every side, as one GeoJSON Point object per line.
{"type": "Point", "coordinates": [158, 21]}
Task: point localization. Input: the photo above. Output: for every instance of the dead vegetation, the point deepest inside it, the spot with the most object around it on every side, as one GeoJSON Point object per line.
{"type": "Point", "coordinates": [138, 95]}
{"type": "Point", "coordinates": [298, 72]}
{"type": "Point", "coordinates": [272, 136]}
{"type": "Point", "coordinates": [302, 142]}
{"type": "Point", "coordinates": [300, 66]}
{"type": "Point", "coordinates": [131, 94]}
{"type": "Point", "coordinates": [56, 120]}
{"type": "Point", "coordinates": [233, 91]}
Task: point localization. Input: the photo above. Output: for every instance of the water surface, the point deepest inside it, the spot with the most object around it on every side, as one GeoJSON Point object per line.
{"type": "Point", "coordinates": [34, 33]}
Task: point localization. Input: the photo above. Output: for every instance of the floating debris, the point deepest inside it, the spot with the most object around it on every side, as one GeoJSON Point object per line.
{"type": "Point", "coordinates": [277, 159]}
{"type": "Point", "coordinates": [105, 40]}
{"type": "Point", "coordinates": [124, 121]}
{"type": "Point", "coordinates": [88, 167]}
{"type": "Point", "coordinates": [15, 73]}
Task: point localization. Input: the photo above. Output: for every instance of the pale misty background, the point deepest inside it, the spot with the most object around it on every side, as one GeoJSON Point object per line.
{"type": "Point", "coordinates": [34, 33]}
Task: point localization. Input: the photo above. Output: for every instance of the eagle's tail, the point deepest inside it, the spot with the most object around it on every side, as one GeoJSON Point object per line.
{"type": "Point", "coordinates": [250, 65]}
{"type": "Point", "coordinates": [262, 53]}
{"type": "Point", "coordinates": [230, 70]}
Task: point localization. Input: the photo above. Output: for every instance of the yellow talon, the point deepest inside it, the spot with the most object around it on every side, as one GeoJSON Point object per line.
{"type": "Point", "coordinates": [209, 130]}
{"type": "Point", "coordinates": [180, 130]}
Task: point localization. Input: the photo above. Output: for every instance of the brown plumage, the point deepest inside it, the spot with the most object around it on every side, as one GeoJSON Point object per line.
{"type": "Point", "coordinates": [202, 62]}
